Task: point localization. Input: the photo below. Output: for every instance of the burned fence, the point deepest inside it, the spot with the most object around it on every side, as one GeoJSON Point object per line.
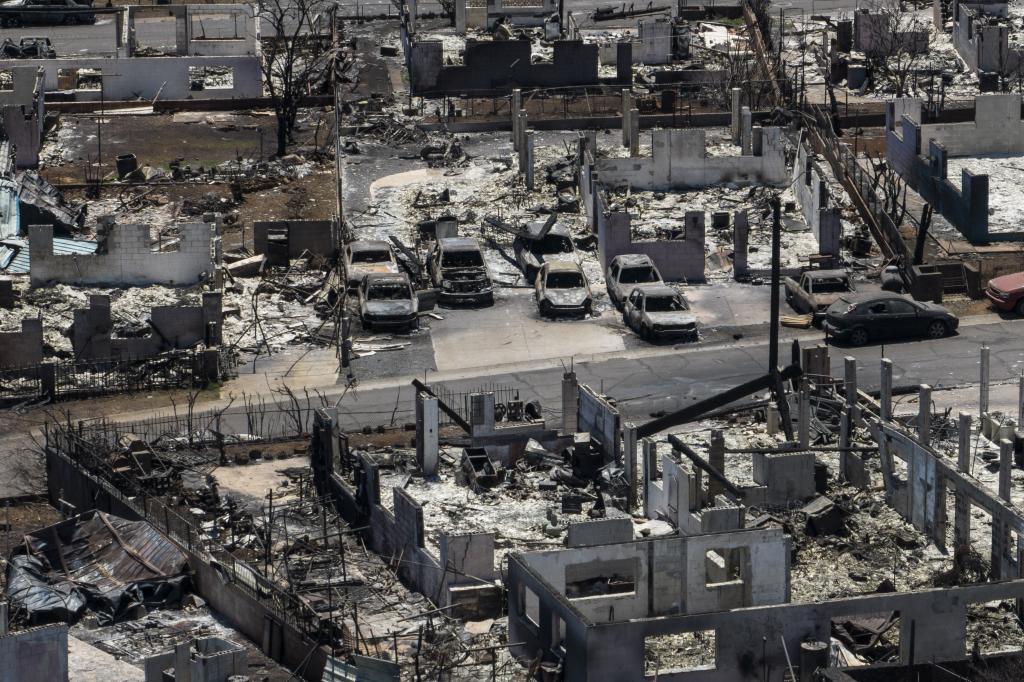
{"type": "Point", "coordinates": [75, 379]}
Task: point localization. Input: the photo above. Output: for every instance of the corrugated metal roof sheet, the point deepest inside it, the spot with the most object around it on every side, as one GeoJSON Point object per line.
{"type": "Point", "coordinates": [19, 264]}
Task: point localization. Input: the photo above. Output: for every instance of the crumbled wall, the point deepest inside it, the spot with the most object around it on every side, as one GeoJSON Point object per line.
{"type": "Point", "coordinates": [24, 348]}
{"type": "Point", "coordinates": [873, 37]}
{"type": "Point", "coordinates": [918, 152]}
{"type": "Point", "coordinates": [679, 160]}
{"type": "Point", "coordinates": [499, 66]}
{"type": "Point", "coordinates": [23, 112]}
{"type": "Point", "coordinates": [318, 237]}
{"type": "Point", "coordinates": [127, 258]}
{"type": "Point", "coordinates": [983, 45]}
{"type": "Point", "coordinates": [813, 198]}
{"type": "Point", "coordinates": [131, 78]}
{"type": "Point", "coordinates": [172, 328]}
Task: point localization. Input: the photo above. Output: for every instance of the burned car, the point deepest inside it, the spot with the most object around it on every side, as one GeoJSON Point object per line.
{"type": "Point", "coordinates": [388, 301]}
{"type": "Point", "coordinates": [659, 312]}
{"type": "Point", "coordinates": [367, 257]}
{"type": "Point", "coordinates": [860, 319]}
{"type": "Point", "coordinates": [457, 269]}
{"type": "Point", "coordinates": [817, 290]}
{"type": "Point", "coordinates": [562, 289]}
{"type": "Point", "coordinates": [540, 243]}
{"type": "Point", "coordinates": [628, 271]}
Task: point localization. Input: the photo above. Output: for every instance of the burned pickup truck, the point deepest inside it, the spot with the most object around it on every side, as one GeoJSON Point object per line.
{"type": "Point", "coordinates": [457, 269]}
{"type": "Point", "coordinates": [817, 290]}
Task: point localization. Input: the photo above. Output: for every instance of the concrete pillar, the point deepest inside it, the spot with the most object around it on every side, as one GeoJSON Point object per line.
{"type": "Point", "coordinates": [650, 455]}
{"type": "Point", "coordinates": [962, 504]}
{"type": "Point", "coordinates": [735, 110]}
{"type": "Point", "coordinates": [1001, 538]}
{"type": "Point", "coordinates": [627, 107]}
{"type": "Point", "coordinates": [844, 444]}
{"type": "Point", "coordinates": [850, 380]}
{"type": "Point", "coordinates": [3, 619]}
{"type": "Point", "coordinates": [983, 398]}
{"type": "Point", "coordinates": [885, 398]}
{"type": "Point", "coordinates": [570, 402]}
{"type": "Point", "coordinates": [634, 132]}
{"type": "Point", "coordinates": [740, 244]}
{"type": "Point", "coordinates": [716, 458]}
{"type": "Point", "coordinates": [804, 415]}
{"type": "Point", "coordinates": [1005, 467]}
{"type": "Point", "coordinates": [517, 106]}
{"type": "Point", "coordinates": [771, 414]}
{"type": "Point", "coordinates": [924, 414]}
{"type": "Point", "coordinates": [427, 448]}
{"type": "Point", "coordinates": [746, 132]}
{"type": "Point", "coordinates": [529, 160]}
{"type": "Point", "coordinates": [1020, 399]}
{"type": "Point", "coordinates": [629, 463]}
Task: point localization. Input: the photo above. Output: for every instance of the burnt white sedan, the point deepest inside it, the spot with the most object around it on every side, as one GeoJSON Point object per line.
{"type": "Point", "coordinates": [659, 312]}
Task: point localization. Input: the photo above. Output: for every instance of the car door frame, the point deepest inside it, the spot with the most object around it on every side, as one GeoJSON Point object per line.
{"type": "Point", "coordinates": [904, 324]}
{"type": "Point", "coordinates": [633, 310]}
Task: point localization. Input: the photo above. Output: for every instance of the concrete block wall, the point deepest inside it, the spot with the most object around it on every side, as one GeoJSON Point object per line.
{"type": "Point", "coordinates": [981, 42]}
{"type": "Point", "coordinates": [490, 66]}
{"type": "Point", "coordinates": [23, 111]}
{"type": "Point", "coordinates": [35, 654]}
{"type": "Point", "coordinates": [173, 328]}
{"type": "Point", "coordinates": [788, 477]}
{"type": "Point", "coordinates": [654, 42]}
{"type": "Point", "coordinates": [679, 160]}
{"type": "Point", "coordinates": [599, 532]}
{"type": "Point", "coordinates": [997, 129]}
{"type": "Point", "coordinates": [812, 196]}
{"type": "Point", "coordinates": [533, 14]}
{"type": "Point", "coordinates": [318, 237]}
{"type": "Point", "coordinates": [126, 258]}
{"type": "Point", "coordinates": [873, 35]}
{"type": "Point", "coordinates": [130, 78]}
{"type": "Point", "coordinates": [24, 348]}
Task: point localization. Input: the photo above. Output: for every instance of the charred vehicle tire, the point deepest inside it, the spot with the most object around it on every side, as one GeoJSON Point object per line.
{"type": "Point", "coordinates": [545, 309]}
{"type": "Point", "coordinates": [1019, 308]}
{"type": "Point", "coordinates": [858, 336]}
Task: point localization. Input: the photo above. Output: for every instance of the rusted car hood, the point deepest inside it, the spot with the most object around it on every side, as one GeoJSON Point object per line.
{"type": "Point", "coordinates": [566, 296]}
{"type": "Point", "coordinates": [672, 319]}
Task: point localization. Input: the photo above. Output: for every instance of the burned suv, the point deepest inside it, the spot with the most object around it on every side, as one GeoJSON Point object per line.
{"type": "Point", "coordinates": [456, 266]}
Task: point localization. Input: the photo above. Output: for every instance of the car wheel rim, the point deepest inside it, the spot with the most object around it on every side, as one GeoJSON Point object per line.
{"type": "Point", "coordinates": [937, 330]}
{"type": "Point", "coordinates": [859, 337]}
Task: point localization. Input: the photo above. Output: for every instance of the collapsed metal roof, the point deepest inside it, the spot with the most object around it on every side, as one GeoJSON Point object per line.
{"type": "Point", "coordinates": [14, 253]}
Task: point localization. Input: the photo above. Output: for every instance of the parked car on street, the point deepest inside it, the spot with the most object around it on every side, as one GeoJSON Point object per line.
{"type": "Point", "coordinates": [388, 301]}
{"type": "Point", "coordinates": [628, 271]}
{"type": "Point", "coordinates": [457, 269]}
{"type": "Point", "coordinates": [859, 320]}
{"type": "Point", "coordinates": [562, 289]}
{"type": "Point", "coordinates": [816, 290]}
{"type": "Point", "coordinates": [45, 13]}
{"type": "Point", "coordinates": [541, 243]}
{"type": "Point", "coordinates": [1007, 292]}
{"type": "Point", "coordinates": [367, 257]}
{"type": "Point", "coordinates": [659, 312]}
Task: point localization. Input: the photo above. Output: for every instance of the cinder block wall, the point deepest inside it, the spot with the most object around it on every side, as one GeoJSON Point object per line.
{"type": "Point", "coordinates": [128, 258]}
{"type": "Point", "coordinates": [37, 654]}
{"type": "Point", "coordinates": [24, 348]}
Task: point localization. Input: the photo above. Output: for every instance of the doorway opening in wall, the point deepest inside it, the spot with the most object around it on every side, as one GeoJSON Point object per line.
{"type": "Point", "coordinates": [866, 638]}
{"type": "Point", "coordinates": [680, 653]}
{"type": "Point", "coordinates": [992, 627]}
{"type": "Point", "coordinates": [210, 78]}
{"type": "Point", "coordinates": [218, 26]}
{"type": "Point", "coordinates": [600, 578]}
{"type": "Point", "coordinates": [6, 80]}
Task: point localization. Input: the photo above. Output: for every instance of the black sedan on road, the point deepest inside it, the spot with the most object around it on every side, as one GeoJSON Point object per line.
{"type": "Point", "coordinates": [858, 320]}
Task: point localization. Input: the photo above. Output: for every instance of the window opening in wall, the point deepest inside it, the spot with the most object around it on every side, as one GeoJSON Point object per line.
{"type": "Point", "coordinates": [6, 80]}
{"type": "Point", "coordinates": [529, 605]}
{"type": "Point", "coordinates": [600, 578]}
{"type": "Point", "coordinates": [992, 627]}
{"type": "Point", "coordinates": [89, 79]}
{"type": "Point", "coordinates": [722, 567]}
{"type": "Point", "coordinates": [679, 653]}
{"type": "Point", "coordinates": [871, 637]}
{"type": "Point", "coordinates": [210, 78]}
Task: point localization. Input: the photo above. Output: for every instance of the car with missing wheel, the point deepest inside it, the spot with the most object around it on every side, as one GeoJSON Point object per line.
{"type": "Point", "coordinates": [659, 312]}
{"type": "Point", "coordinates": [562, 289]}
{"type": "Point", "coordinates": [860, 320]}
{"type": "Point", "coordinates": [1007, 293]}
{"type": "Point", "coordinates": [628, 271]}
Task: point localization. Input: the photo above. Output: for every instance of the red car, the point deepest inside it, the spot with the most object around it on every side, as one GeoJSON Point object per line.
{"type": "Point", "coordinates": [1007, 292]}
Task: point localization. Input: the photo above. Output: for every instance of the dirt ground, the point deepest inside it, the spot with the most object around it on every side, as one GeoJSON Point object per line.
{"type": "Point", "coordinates": [17, 519]}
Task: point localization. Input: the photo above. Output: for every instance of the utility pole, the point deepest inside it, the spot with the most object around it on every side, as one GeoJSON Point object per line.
{"type": "Point", "coordinates": [778, 389]}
